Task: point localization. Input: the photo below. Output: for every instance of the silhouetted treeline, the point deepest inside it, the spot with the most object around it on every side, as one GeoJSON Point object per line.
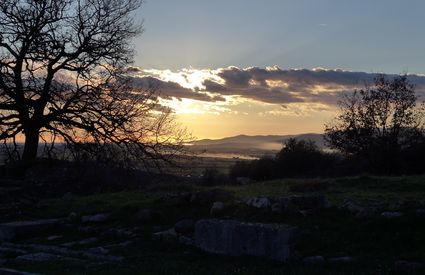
{"type": "Point", "coordinates": [302, 158]}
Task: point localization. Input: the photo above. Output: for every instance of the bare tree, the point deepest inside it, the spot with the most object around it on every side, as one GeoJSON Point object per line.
{"type": "Point", "coordinates": [378, 121]}
{"type": "Point", "coordinates": [62, 76]}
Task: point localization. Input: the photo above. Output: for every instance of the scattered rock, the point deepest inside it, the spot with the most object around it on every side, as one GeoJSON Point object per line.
{"type": "Point", "coordinates": [391, 215]}
{"type": "Point", "coordinates": [37, 258]}
{"type": "Point", "coordinates": [342, 260]}
{"type": "Point", "coordinates": [367, 213]}
{"type": "Point", "coordinates": [217, 209]}
{"type": "Point", "coordinates": [8, 271]}
{"type": "Point", "coordinates": [185, 227]}
{"type": "Point", "coordinates": [186, 240]}
{"type": "Point", "coordinates": [53, 238]}
{"type": "Point", "coordinates": [169, 235]}
{"type": "Point", "coordinates": [159, 228]}
{"type": "Point", "coordinates": [314, 260]}
{"type": "Point", "coordinates": [98, 250]}
{"type": "Point", "coordinates": [258, 202]}
{"type": "Point", "coordinates": [360, 211]}
{"type": "Point", "coordinates": [98, 218]}
{"type": "Point", "coordinates": [26, 228]}
{"type": "Point", "coordinates": [351, 206]}
{"type": "Point", "coordinates": [11, 250]}
{"type": "Point", "coordinates": [228, 237]}
{"type": "Point", "coordinates": [88, 241]}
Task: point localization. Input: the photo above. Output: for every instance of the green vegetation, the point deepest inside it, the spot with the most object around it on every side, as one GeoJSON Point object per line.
{"type": "Point", "coordinates": [330, 233]}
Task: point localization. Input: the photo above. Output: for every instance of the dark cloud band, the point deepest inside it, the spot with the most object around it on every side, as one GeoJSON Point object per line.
{"type": "Point", "coordinates": [272, 85]}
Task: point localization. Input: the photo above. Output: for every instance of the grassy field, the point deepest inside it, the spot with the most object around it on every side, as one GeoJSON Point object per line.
{"type": "Point", "coordinates": [377, 243]}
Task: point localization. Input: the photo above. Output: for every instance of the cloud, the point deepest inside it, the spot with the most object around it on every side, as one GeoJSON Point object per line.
{"type": "Point", "coordinates": [169, 89]}
{"type": "Point", "coordinates": [271, 85]}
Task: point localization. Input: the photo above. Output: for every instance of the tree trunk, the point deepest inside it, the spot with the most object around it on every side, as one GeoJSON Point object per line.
{"type": "Point", "coordinates": [31, 145]}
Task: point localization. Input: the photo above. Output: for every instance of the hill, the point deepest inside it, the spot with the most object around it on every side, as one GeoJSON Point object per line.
{"type": "Point", "coordinates": [252, 145]}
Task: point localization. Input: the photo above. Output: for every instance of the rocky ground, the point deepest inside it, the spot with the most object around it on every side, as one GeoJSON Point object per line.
{"type": "Point", "coordinates": [298, 226]}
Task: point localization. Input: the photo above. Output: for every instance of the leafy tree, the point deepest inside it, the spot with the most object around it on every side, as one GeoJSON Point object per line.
{"type": "Point", "coordinates": [62, 76]}
{"type": "Point", "coordinates": [301, 158]}
{"type": "Point", "coordinates": [377, 122]}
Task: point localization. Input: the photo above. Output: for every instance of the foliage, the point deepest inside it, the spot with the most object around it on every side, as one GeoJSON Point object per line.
{"type": "Point", "coordinates": [378, 122]}
{"type": "Point", "coordinates": [302, 158]}
{"type": "Point", "coordinates": [63, 78]}
{"type": "Point", "coordinates": [297, 158]}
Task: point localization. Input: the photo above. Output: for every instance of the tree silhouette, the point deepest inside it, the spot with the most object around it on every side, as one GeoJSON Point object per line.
{"type": "Point", "coordinates": [378, 122]}
{"type": "Point", "coordinates": [62, 76]}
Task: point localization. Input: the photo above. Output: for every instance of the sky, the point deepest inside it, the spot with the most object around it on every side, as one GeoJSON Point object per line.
{"type": "Point", "coordinates": [230, 67]}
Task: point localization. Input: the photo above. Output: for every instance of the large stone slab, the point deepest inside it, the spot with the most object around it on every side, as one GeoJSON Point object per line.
{"type": "Point", "coordinates": [229, 237]}
{"type": "Point", "coordinates": [26, 228]}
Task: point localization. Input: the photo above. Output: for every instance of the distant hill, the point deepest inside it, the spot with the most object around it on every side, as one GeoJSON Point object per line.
{"type": "Point", "coordinates": [254, 145]}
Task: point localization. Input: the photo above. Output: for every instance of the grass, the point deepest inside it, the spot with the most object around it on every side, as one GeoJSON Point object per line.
{"type": "Point", "coordinates": [376, 243]}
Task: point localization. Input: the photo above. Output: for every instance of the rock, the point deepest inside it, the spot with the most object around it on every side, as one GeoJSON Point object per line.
{"type": "Point", "coordinates": [351, 206]}
{"type": "Point", "coordinates": [229, 237]}
{"type": "Point", "coordinates": [26, 228]}
{"type": "Point", "coordinates": [185, 227]}
{"type": "Point", "coordinates": [217, 209]}
{"type": "Point", "coordinates": [12, 251]}
{"type": "Point", "coordinates": [169, 235]}
{"type": "Point", "coordinates": [8, 271]}
{"type": "Point", "coordinates": [38, 257]}
{"type": "Point", "coordinates": [258, 202]}
{"type": "Point", "coordinates": [243, 180]}
{"type": "Point", "coordinates": [53, 238]}
{"type": "Point", "coordinates": [210, 196]}
{"type": "Point", "coordinates": [98, 218]}
{"type": "Point", "coordinates": [63, 253]}
{"type": "Point", "coordinates": [408, 267]}
{"type": "Point", "coordinates": [420, 213]}
{"type": "Point", "coordinates": [73, 218]}
{"type": "Point", "coordinates": [391, 215]}
{"type": "Point", "coordinates": [185, 240]}
{"type": "Point", "coordinates": [159, 228]}
{"type": "Point", "coordinates": [98, 250]}
{"type": "Point", "coordinates": [88, 241]}
{"type": "Point", "coordinates": [342, 260]}
{"type": "Point", "coordinates": [314, 260]}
